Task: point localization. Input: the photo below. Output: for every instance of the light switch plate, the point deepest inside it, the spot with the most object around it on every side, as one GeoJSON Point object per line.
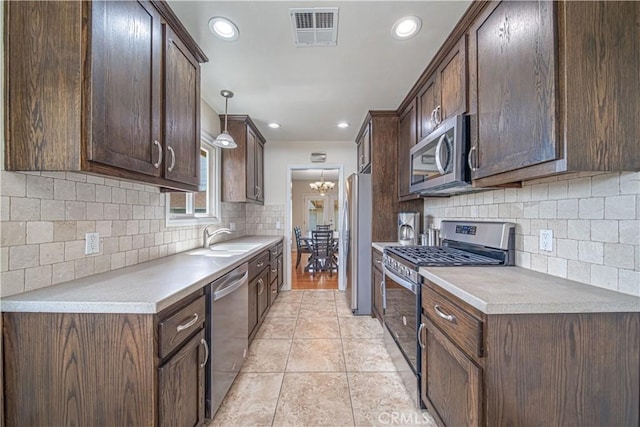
{"type": "Point", "coordinates": [278, 225]}
{"type": "Point", "coordinates": [232, 226]}
{"type": "Point", "coordinates": [546, 240]}
{"type": "Point", "coordinates": [91, 243]}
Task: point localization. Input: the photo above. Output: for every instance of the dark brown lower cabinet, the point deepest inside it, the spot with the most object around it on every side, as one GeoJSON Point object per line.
{"type": "Point", "coordinates": [534, 369]}
{"type": "Point", "coordinates": [263, 294]}
{"type": "Point", "coordinates": [376, 285]}
{"type": "Point", "coordinates": [253, 308]}
{"type": "Point", "coordinates": [453, 382]}
{"type": "Point", "coordinates": [92, 369]}
{"type": "Point", "coordinates": [181, 386]}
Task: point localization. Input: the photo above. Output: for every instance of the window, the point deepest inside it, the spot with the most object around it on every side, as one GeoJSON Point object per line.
{"type": "Point", "coordinates": [202, 207]}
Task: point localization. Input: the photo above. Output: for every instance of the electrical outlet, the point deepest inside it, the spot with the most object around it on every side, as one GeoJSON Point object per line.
{"type": "Point", "coordinates": [546, 240]}
{"type": "Point", "coordinates": [91, 243]}
{"type": "Point", "coordinates": [278, 225]}
{"type": "Point", "coordinates": [232, 226]}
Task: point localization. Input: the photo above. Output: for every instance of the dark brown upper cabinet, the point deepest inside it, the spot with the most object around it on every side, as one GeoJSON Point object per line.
{"type": "Point", "coordinates": [444, 94]}
{"type": "Point", "coordinates": [182, 111]}
{"type": "Point", "coordinates": [84, 93]}
{"type": "Point", "coordinates": [553, 89]}
{"type": "Point", "coordinates": [407, 138]}
{"type": "Point", "coordinates": [243, 167]}
{"type": "Point", "coordinates": [364, 149]}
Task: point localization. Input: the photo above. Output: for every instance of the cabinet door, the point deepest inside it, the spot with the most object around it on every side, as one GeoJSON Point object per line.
{"type": "Point", "coordinates": [259, 167]}
{"type": "Point", "coordinates": [181, 386]}
{"type": "Point", "coordinates": [253, 307]}
{"type": "Point", "coordinates": [252, 185]}
{"type": "Point", "coordinates": [428, 100]}
{"type": "Point", "coordinates": [515, 89]}
{"type": "Point", "coordinates": [366, 148]}
{"type": "Point", "coordinates": [280, 272]}
{"type": "Point", "coordinates": [182, 111]}
{"type": "Point", "coordinates": [263, 294]}
{"type": "Point", "coordinates": [407, 138]}
{"type": "Point", "coordinates": [376, 291]}
{"type": "Point", "coordinates": [126, 72]}
{"type": "Point", "coordinates": [452, 76]}
{"type": "Point", "coordinates": [453, 382]}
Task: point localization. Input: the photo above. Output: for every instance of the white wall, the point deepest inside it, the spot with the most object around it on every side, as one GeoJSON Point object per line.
{"type": "Point", "coordinates": [279, 154]}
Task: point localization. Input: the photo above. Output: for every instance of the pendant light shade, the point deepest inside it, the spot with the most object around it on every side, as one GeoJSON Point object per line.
{"type": "Point", "coordinates": [224, 140]}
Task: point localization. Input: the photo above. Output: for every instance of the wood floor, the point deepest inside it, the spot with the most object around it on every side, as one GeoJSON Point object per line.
{"type": "Point", "coordinates": [301, 279]}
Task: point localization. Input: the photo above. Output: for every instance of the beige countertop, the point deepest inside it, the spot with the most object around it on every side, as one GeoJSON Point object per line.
{"type": "Point", "coordinates": [149, 287]}
{"type": "Point", "coordinates": [515, 290]}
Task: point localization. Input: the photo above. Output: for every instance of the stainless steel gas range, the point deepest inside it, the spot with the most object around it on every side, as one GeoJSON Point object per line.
{"type": "Point", "coordinates": [464, 243]}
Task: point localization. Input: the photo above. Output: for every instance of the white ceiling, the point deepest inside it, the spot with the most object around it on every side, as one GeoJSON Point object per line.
{"type": "Point", "coordinates": [308, 90]}
{"type": "Point", "coordinates": [314, 175]}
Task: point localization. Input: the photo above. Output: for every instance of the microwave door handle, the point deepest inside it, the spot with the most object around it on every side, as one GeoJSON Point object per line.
{"type": "Point", "coordinates": [438, 148]}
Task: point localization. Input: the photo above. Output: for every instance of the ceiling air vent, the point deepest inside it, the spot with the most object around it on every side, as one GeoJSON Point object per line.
{"type": "Point", "coordinates": [316, 26]}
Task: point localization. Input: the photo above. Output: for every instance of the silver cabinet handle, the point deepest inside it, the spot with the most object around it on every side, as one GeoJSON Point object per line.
{"type": "Point", "coordinates": [445, 316]}
{"type": "Point", "coordinates": [378, 261]}
{"type": "Point", "coordinates": [157, 144]}
{"type": "Point", "coordinates": [173, 157]}
{"type": "Point", "coordinates": [258, 192]}
{"type": "Point", "coordinates": [261, 283]}
{"type": "Point", "coordinates": [260, 264]}
{"type": "Point", "coordinates": [189, 324]}
{"type": "Point", "coordinates": [470, 158]}
{"type": "Point", "coordinates": [361, 160]}
{"type": "Point", "coordinates": [433, 118]}
{"type": "Point", "coordinates": [206, 352]}
{"type": "Point", "coordinates": [384, 302]}
{"type": "Point", "coordinates": [422, 325]}
{"type": "Point", "coordinates": [274, 270]}
{"type": "Point", "coordinates": [438, 114]}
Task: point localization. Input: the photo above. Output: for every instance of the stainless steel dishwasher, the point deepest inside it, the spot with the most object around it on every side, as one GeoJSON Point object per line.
{"type": "Point", "coordinates": [228, 315]}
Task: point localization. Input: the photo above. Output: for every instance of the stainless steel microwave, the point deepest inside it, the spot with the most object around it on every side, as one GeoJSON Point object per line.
{"type": "Point", "coordinates": [438, 162]}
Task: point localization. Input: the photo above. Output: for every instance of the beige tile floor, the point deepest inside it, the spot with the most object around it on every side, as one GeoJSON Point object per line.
{"type": "Point", "coordinates": [313, 363]}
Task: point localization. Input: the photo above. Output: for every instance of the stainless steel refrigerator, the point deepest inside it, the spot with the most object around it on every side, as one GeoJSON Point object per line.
{"type": "Point", "coordinates": [357, 242]}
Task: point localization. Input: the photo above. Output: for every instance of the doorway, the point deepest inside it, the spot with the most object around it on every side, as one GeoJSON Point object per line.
{"type": "Point", "coordinates": [306, 208]}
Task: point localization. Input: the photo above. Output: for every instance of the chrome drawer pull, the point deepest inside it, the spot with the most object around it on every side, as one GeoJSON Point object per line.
{"type": "Point", "coordinates": [422, 325]}
{"type": "Point", "coordinates": [449, 317]}
{"type": "Point", "coordinates": [206, 352]}
{"type": "Point", "coordinates": [260, 264]}
{"type": "Point", "coordinates": [189, 324]}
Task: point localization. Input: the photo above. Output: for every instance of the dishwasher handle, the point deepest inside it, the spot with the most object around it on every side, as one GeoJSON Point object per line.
{"type": "Point", "coordinates": [228, 287]}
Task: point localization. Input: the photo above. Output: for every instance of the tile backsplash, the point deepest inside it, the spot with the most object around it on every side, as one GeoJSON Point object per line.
{"type": "Point", "coordinates": [595, 219]}
{"type": "Point", "coordinates": [44, 217]}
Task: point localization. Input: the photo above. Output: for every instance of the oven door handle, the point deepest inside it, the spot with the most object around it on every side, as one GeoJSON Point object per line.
{"type": "Point", "coordinates": [399, 280]}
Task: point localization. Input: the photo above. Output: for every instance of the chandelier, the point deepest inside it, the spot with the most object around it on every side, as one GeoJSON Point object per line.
{"type": "Point", "coordinates": [322, 186]}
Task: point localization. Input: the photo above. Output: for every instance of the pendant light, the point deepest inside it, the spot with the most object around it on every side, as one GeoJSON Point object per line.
{"type": "Point", "coordinates": [224, 140]}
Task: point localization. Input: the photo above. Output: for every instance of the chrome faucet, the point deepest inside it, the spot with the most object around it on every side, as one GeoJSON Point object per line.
{"type": "Point", "coordinates": [207, 236]}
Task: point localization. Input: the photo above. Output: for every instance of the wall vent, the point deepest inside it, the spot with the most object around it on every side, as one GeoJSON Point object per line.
{"type": "Point", "coordinates": [318, 157]}
{"type": "Point", "coordinates": [315, 26]}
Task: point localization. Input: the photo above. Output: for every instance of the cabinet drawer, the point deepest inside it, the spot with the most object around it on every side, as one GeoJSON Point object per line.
{"type": "Point", "coordinates": [174, 329]}
{"type": "Point", "coordinates": [273, 253]}
{"type": "Point", "coordinates": [273, 270]}
{"type": "Point", "coordinates": [258, 264]}
{"type": "Point", "coordinates": [461, 327]}
{"type": "Point", "coordinates": [377, 260]}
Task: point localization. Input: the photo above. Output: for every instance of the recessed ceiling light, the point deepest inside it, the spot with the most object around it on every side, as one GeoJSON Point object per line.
{"type": "Point", "coordinates": [273, 125]}
{"type": "Point", "coordinates": [343, 125]}
{"type": "Point", "coordinates": [406, 27]}
{"type": "Point", "coordinates": [223, 28]}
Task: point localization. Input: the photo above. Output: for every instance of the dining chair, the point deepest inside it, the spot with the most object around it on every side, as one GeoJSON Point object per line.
{"type": "Point", "coordinates": [301, 247]}
{"type": "Point", "coordinates": [322, 247]}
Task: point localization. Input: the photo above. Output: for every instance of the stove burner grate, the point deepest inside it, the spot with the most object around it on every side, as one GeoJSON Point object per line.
{"type": "Point", "coordinates": [435, 255]}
